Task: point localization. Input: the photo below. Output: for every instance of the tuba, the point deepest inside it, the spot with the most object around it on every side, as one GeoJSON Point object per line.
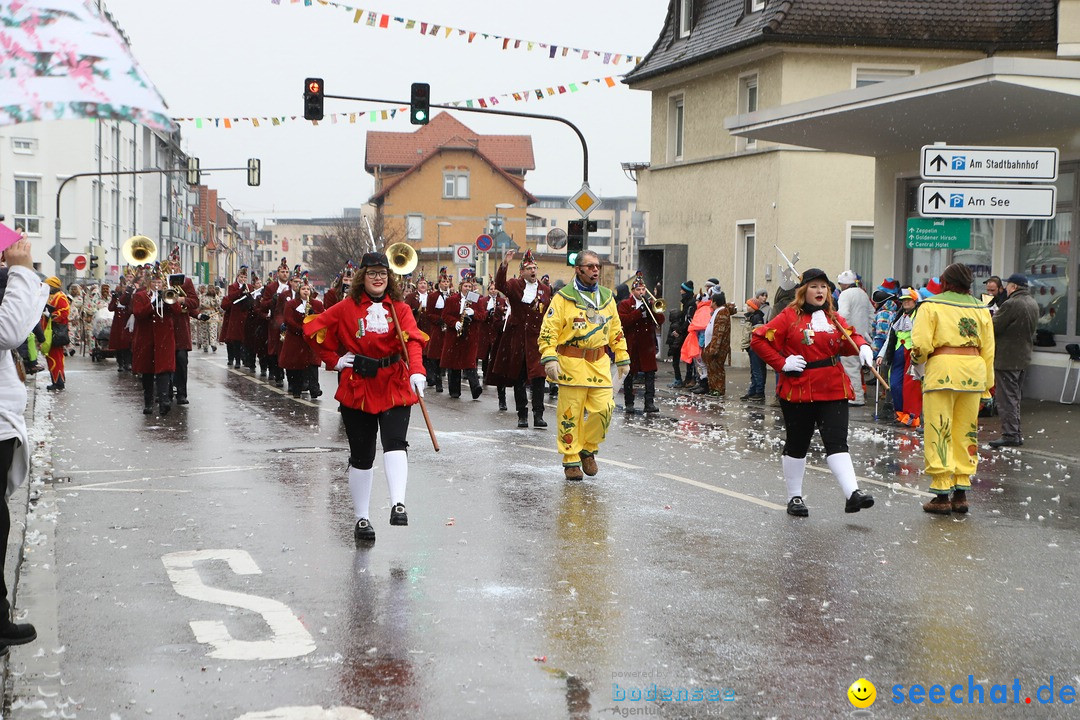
{"type": "Point", "coordinates": [402, 257]}
{"type": "Point", "coordinates": [139, 250]}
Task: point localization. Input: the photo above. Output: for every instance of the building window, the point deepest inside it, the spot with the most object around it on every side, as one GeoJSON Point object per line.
{"type": "Point", "coordinates": [745, 255]}
{"type": "Point", "coordinates": [414, 227]}
{"type": "Point", "coordinates": [871, 75]}
{"type": "Point", "coordinates": [26, 206]}
{"type": "Point", "coordinates": [456, 185]}
{"type": "Point", "coordinates": [861, 252]}
{"type": "Point", "coordinates": [1047, 253]}
{"type": "Point", "coordinates": [676, 120]}
{"type": "Point", "coordinates": [748, 103]}
{"type": "Point", "coordinates": [23, 146]}
{"type": "Point", "coordinates": [753, 6]}
{"type": "Point", "coordinates": [686, 17]}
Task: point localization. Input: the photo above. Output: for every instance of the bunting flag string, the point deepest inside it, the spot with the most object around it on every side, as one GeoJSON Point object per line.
{"type": "Point", "coordinates": [375, 19]}
{"type": "Point", "coordinates": [389, 114]}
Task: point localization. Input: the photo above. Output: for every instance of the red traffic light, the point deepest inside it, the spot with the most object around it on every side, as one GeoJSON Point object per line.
{"type": "Point", "coordinates": [314, 86]}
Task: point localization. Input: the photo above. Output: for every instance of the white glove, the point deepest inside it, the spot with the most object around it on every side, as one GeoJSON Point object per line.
{"type": "Point", "coordinates": [866, 355]}
{"type": "Point", "coordinates": [344, 361]}
{"type": "Point", "coordinates": [794, 363]}
{"type": "Point", "coordinates": [469, 311]}
{"type": "Point", "coordinates": [458, 326]}
{"type": "Point", "coordinates": [418, 382]}
{"type": "Point", "coordinates": [552, 370]}
{"type": "Point", "coordinates": [624, 370]}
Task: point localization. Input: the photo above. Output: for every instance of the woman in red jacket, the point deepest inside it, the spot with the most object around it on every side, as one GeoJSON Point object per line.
{"type": "Point", "coordinates": [804, 346]}
{"type": "Point", "coordinates": [296, 358]}
{"type": "Point", "coordinates": [153, 342]}
{"type": "Point", "coordinates": [378, 386]}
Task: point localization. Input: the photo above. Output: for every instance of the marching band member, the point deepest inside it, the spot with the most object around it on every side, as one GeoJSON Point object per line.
{"type": "Point", "coordinates": [804, 346]}
{"type": "Point", "coordinates": [236, 303]}
{"type": "Point", "coordinates": [417, 300]}
{"type": "Point", "coordinates": [188, 300]}
{"type": "Point", "coordinates": [275, 296]}
{"type": "Point", "coordinates": [580, 325]}
{"type": "Point", "coordinates": [462, 338]}
{"type": "Point", "coordinates": [339, 289]}
{"type": "Point", "coordinates": [518, 360]}
{"type": "Point", "coordinates": [640, 324]}
{"type": "Point", "coordinates": [494, 325]}
{"type": "Point", "coordinates": [297, 358]}
{"type": "Point", "coordinates": [377, 388]}
{"type": "Point", "coordinates": [120, 306]}
{"type": "Point", "coordinates": [153, 342]}
{"type": "Point", "coordinates": [55, 323]}
{"type": "Point", "coordinates": [255, 329]}
{"type": "Point", "coordinates": [433, 350]}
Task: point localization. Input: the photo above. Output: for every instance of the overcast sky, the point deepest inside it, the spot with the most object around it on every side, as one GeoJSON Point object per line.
{"type": "Point", "coordinates": [243, 58]}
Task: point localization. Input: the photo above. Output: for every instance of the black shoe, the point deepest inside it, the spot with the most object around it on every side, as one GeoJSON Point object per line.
{"type": "Point", "coordinates": [262, 373]}
{"type": "Point", "coordinates": [164, 408]}
{"type": "Point", "coordinates": [858, 501]}
{"type": "Point", "coordinates": [182, 401]}
{"type": "Point", "coordinates": [651, 408]}
{"type": "Point", "coordinates": [363, 532]}
{"type": "Point", "coordinates": [523, 421]}
{"type": "Point", "coordinates": [455, 397]}
{"type": "Point", "coordinates": [315, 393]}
{"type": "Point", "coordinates": [398, 515]}
{"type": "Point", "coordinates": [17, 633]}
{"type": "Point", "coordinates": [477, 391]}
{"type": "Point", "coordinates": [628, 409]}
{"type": "Point", "coordinates": [796, 507]}
{"type": "Point", "coordinates": [502, 406]}
{"type": "Point", "coordinates": [1005, 442]}
{"type": "Point", "coordinates": [538, 421]}
{"type": "Point", "coordinates": [295, 394]}
{"type": "Point", "coordinates": [147, 409]}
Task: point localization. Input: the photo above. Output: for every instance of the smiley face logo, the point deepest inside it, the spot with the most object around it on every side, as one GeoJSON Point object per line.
{"type": "Point", "coordinates": [862, 693]}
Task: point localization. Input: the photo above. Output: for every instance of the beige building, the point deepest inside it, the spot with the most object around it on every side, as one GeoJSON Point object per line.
{"type": "Point", "coordinates": [1026, 94]}
{"type": "Point", "coordinates": [621, 229]}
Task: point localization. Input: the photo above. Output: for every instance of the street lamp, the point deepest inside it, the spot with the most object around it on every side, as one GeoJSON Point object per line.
{"type": "Point", "coordinates": [438, 245]}
{"type": "Point", "coordinates": [498, 207]}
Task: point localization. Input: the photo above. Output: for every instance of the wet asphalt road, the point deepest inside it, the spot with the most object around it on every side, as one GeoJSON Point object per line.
{"type": "Point", "coordinates": [512, 593]}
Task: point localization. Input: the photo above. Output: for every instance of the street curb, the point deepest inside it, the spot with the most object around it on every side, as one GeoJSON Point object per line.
{"type": "Point", "coordinates": [18, 507]}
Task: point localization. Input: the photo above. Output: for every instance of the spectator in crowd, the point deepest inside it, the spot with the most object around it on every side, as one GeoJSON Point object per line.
{"type": "Point", "coordinates": [884, 300]}
{"type": "Point", "coordinates": [854, 306]}
{"type": "Point", "coordinates": [754, 318]}
{"type": "Point", "coordinates": [55, 325]}
{"type": "Point", "coordinates": [1014, 332]}
{"type": "Point", "coordinates": [695, 341]}
{"type": "Point", "coordinates": [996, 290]}
{"type": "Point", "coordinates": [895, 354]}
{"type": "Point", "coordinates": [716, 351]}
{"type": "Point", "coordinates": [679, 329]}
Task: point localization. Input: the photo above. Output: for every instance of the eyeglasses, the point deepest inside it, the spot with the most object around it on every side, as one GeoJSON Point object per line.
{"type": "Point", "coordinates": [590, 266]}
{"type": "Point", "coordinates": [377, 273]}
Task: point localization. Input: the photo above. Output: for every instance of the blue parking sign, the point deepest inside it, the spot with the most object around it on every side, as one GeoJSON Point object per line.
{"type": "Point", "coordinates": [959, 162]}
{"type": "Point", "coordinates": [956, 200]}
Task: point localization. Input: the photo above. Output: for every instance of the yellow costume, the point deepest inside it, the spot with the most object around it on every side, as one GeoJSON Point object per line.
{"type": "Point", "coordinates": [945, 327]}
{"type": "Point", "coordinates": [577, 331]}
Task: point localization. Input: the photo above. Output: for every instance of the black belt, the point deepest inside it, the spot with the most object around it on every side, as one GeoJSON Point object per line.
{"type": "Point", "coordinates": [827, 362]}
{"type": "Point", "coordinates": [379, 362]}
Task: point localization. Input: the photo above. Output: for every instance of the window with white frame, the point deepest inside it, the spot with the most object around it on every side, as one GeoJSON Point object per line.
{"type": "Point", "coordinates": [456, 185]}
{"type": "Point", "coordinates": [676, 127]}
{"type": "Point", "coordinates": [26, 205]}
{"type": "Point", "coordinates": [861, 251]}
{"type": "Point", "coordinates": [745, 255]}
{"type": "Point", "coordinates": [753, 6]}
{"type": "Point", "coordinates": [686, 17]}
{"type": "Point", "coordinates": [873, 74]}
{"type": "Point", "coordinates": [748, 103]}
{"type": "Point", "coordinates": [23, 146]}
{"type": "Point", "coordinates": [414, 227]}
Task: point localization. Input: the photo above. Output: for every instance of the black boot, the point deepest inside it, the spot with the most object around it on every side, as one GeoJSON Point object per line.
{"type": "Point", "coordinates": [536, 387]}
{"type": "Point", "coordinates": [702, 388]}
{"type": "Point", "coordinates": [650, 393]}
{"type": "Point", "coordinates": [438, 379]}
{"type": "Point", "coordinates": [502, 398]}
{"type": "Point", "coordinates": [628, 394]}
{"type": "Point", "coordinates": [523, 419]}
{"type": "Point", "coordinates": [474, 384]}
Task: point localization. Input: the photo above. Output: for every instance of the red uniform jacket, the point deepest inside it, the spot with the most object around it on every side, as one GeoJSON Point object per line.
{"type": "Point", "coordinates": [491, 326]}
{"type": "Point", "coordinates": [255, 326]}
{"type": "Point", "coordinates": [790, 333]}
{"type": "Point", "coordinates": [419, 305]}
{"type": "Point", "coordinates": [274, 302]}
{"type": "Point", "coordinates": [437, 329]}
{"type": "Point", "coordinates": [239, 304]}
{"type": "Point", "coordinates": [153, 343]}
{"type": "Point", "coordinates": [333, 296]}
{"type": "Point", "coordinates": [190, 308]}
{"type": "Point", "coordinates": [459, 353]}
{"type": "Point", "coordinates": [296, 354]}
{"type": "Point", "coordinates": [518, 347]}
{"type": "Point", "coordinates": [640, 334]}
{"type": "Point", "coordinates": [354, 327]}
{"type": "Point", "coordinates": [120, 306]}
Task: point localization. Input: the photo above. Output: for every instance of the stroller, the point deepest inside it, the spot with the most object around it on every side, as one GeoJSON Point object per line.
{"type": "Point", "coordinates": [100, 328]}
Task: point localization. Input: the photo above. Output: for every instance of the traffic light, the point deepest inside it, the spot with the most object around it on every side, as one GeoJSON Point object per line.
{"type": "Point", "coordinates": [97, 261]}
{"type": "Point", "coordinates": [193, 171]}
{"type": "Point", "coordinates": [420, 104]}
{"type": "Point", "coordinates": [313, 99]}
{"type": "Point", "coordinates": [254, 172]}
{"type": "Point", "coordinates": [575, 240]}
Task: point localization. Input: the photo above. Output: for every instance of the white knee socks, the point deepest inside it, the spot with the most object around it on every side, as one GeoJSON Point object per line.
{"type": "Point", "coordinates": [794, 469]}
{"type": "Point", "coordinates": [840, 464]}
{"type": "Point", "coordinates": [396, 464]}
{"type": "Point", "coordinates": [360, 488]}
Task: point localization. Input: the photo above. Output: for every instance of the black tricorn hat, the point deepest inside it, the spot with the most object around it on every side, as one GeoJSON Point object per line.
{"type": "Point", "coordinates": [374, 260]}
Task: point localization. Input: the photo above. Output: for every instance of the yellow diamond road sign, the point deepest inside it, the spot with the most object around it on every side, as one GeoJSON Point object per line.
{"type": "Point", "coordinates": [585, 201]}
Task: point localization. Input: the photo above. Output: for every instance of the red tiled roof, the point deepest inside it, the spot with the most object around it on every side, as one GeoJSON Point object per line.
{"type": "Point", "coordinates": [378, 197]}
{"type": "Point", "coordinates": [405, 149]}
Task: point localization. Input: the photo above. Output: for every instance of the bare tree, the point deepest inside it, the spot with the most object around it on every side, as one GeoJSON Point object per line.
{"type": "Point", "coordinates": [348, 238]}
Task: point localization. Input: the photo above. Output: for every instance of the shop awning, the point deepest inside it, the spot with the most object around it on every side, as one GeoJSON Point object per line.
{"type": "Point", "coordinates": [984, 102]}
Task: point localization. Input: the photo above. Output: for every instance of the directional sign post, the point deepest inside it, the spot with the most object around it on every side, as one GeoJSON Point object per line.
{"type": "Point", "coordinates": [989, 201]}
{"type": "Point", "coordinates": [981, 163]}
{"type": "Point", "coordinates": [939, 233]}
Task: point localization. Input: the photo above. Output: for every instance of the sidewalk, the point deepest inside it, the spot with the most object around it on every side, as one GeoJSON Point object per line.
{"type": "Point", "coordinates": [1051, 430]}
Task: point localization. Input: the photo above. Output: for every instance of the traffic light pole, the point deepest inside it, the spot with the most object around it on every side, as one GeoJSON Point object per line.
{"type": "Point", "coordinates": [489, 111]}
{"type": "Point", "coordinates": [111, 173]}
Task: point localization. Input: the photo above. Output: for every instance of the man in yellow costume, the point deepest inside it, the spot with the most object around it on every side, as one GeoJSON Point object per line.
{"type": "Point", "coordinates": [954, 336]}
{"type": "Point", "coordinates": [581, 323]}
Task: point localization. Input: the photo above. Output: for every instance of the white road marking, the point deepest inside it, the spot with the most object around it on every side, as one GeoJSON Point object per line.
{"type": "Point", "coordinates": [210, 471]}
{"type": "Point", "coordinates": [312, 712]}
{"type": "Point", "coordinates": [723, 491]}
{"type": "Point", "coordinates": [291, 638]}
{"type": "Point", "coordinates": [79, 488]}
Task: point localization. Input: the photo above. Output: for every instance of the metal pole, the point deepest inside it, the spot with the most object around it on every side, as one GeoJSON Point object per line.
{"type": "Point", "coordinates": [438, 248]}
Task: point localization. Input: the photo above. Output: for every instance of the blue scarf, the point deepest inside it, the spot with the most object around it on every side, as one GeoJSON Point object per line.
{"type": "Point", "coordinates": [581, 287]}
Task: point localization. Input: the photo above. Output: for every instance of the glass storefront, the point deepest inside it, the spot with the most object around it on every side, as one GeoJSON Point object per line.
{"type": "Point", "coordinates": [922, 264]}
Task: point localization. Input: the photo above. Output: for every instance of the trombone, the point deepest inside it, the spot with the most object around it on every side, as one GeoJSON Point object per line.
{"type": "Point", "coordinates": [657, 305]}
